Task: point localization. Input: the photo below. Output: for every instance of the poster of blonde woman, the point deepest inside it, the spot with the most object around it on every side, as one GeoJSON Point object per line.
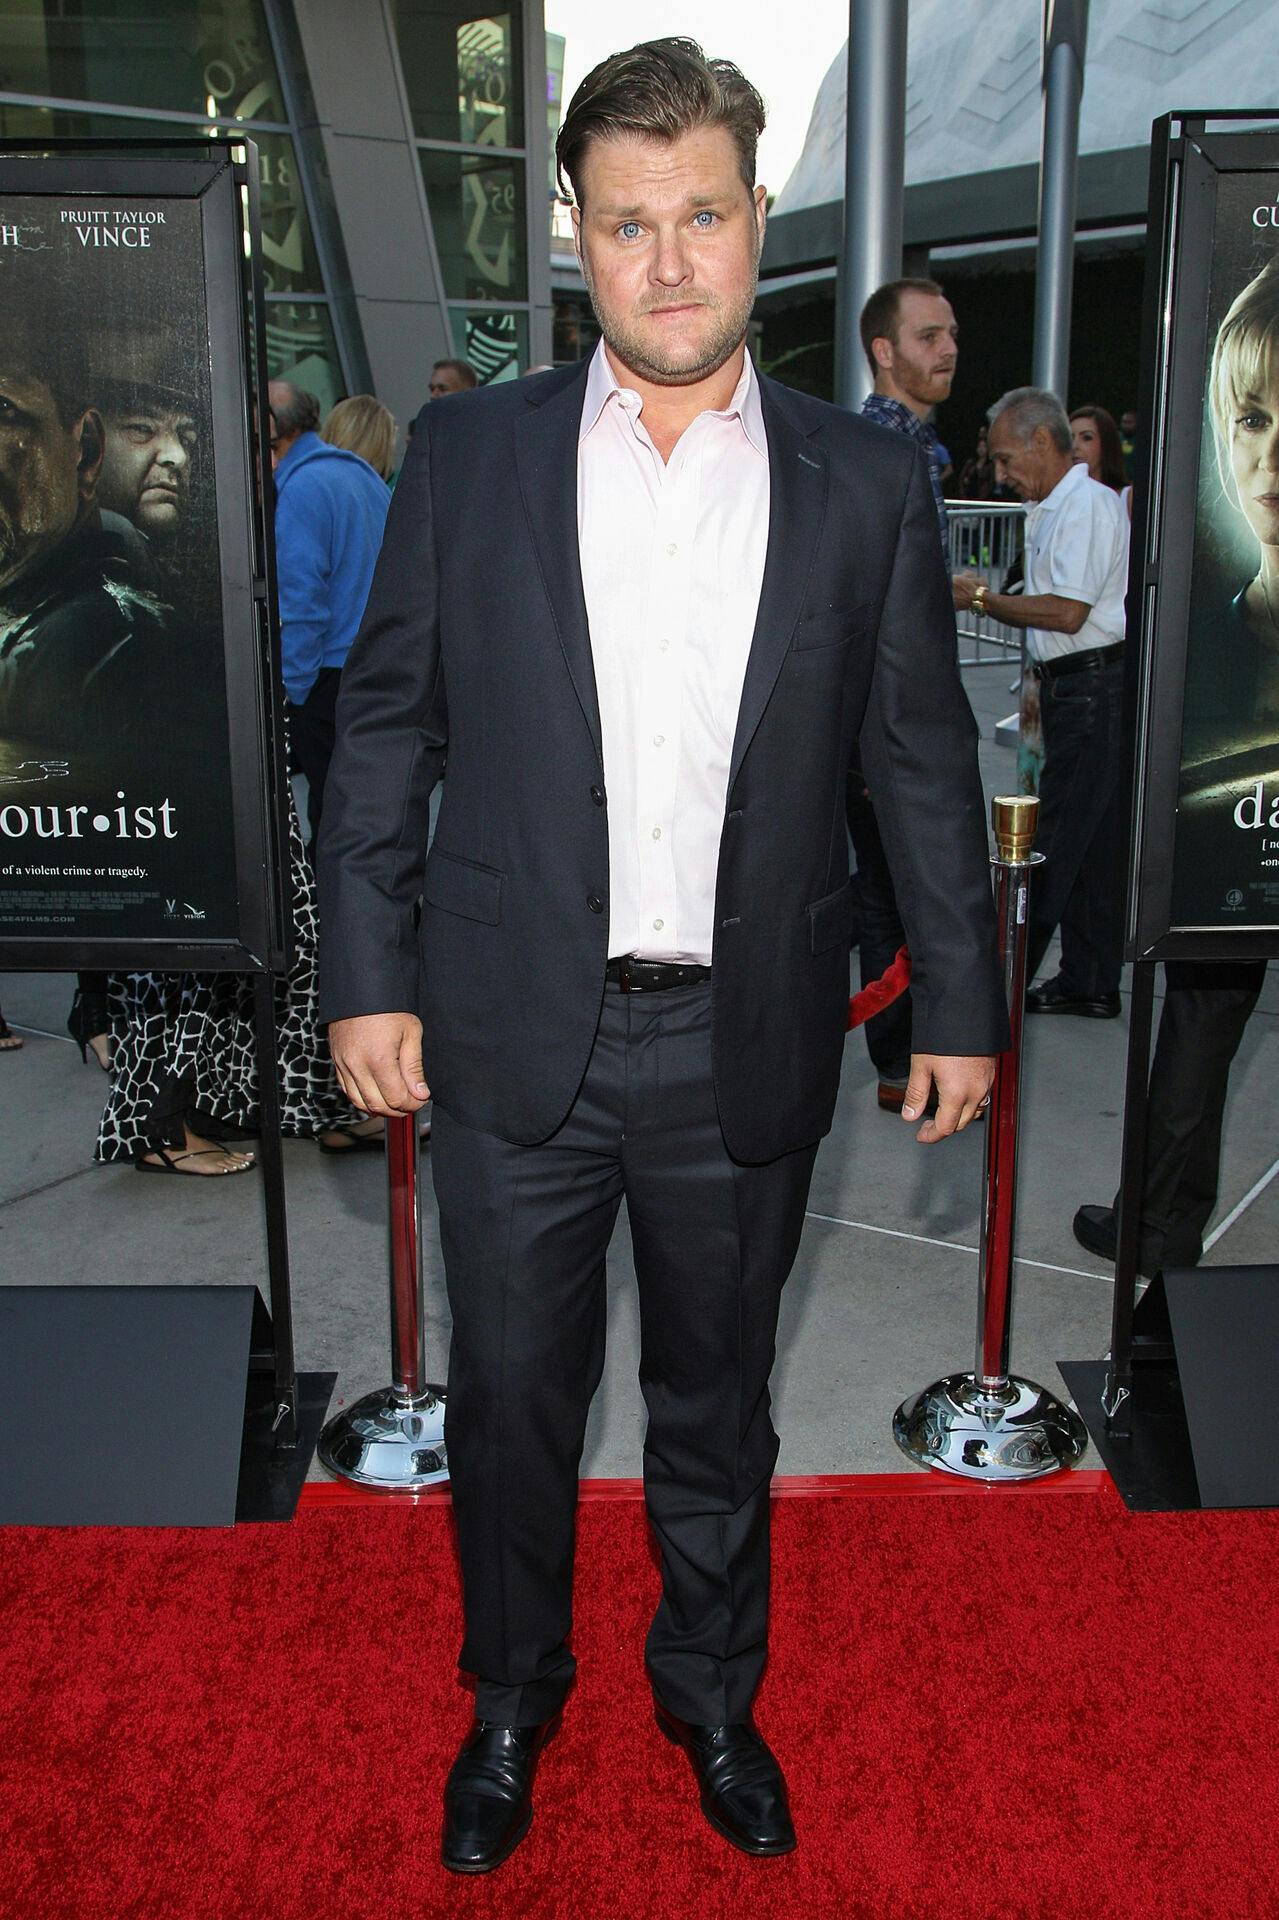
{"type": "Point", "coordinates": [1228, 812]}
{"type": "Point", "coordinates": [1204, 590]}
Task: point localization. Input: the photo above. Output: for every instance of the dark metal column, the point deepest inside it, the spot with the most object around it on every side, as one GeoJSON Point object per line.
{"type": "Point", "coordinates": [271, 1160]}
{"type": "Point", "coordinates": [1065, 44]}
{"type": "Point", "coordinates": [1116, 1397]}
{"type": "Point", "coordinates": [874, 178]}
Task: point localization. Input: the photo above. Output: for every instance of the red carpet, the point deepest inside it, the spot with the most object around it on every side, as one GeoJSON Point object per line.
{"type": "Point", "coordinates": [1017, 1704]}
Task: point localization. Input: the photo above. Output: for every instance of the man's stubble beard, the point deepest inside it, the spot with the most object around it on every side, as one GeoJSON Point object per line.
{"type": "Point", "coordinates": [912, 379]}
{"type": "Point", "coordinates": [627, 348]}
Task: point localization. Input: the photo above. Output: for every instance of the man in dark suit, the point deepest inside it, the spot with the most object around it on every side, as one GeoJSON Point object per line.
{"type": "Point", "coordinates": [691, 599]}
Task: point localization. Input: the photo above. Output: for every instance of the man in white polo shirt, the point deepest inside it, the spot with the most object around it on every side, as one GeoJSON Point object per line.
{"type": "Point", "coordinates": [1073, 610]}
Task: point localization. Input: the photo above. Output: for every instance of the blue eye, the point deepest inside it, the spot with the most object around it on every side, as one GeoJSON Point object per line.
{"type": "Point", "coordinates": [704, 219]}
{"type": "Point", "coordinates": [629, 229]}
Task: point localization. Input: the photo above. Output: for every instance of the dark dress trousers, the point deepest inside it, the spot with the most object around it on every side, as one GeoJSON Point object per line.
{"type": "Point", "coordinates": [556, 1098]}
{"type": "Point", "coordinates": [1207, 1006]}
{"type": "Point", "coordinates": [1081, 829]}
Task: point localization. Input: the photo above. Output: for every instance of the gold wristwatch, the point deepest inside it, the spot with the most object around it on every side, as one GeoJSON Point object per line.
{"type": "Point", "coordinates": [979, 598]}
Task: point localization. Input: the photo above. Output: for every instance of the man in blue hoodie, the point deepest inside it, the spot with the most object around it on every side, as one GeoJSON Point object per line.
{"type": "Point", "coordinates": [330, 511]}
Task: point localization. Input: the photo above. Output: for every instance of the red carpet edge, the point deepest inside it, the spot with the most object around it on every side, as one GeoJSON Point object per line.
{"type": "Point", "coordinates": [847, 1486]}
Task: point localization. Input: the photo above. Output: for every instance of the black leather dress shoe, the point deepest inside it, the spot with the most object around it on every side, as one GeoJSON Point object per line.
{"type": "Point", "coordinates": [1051, 997]}
{"type": "Point", "coordinates": [1097, 1229]}
{"type": "Point", "coordinates": [743, 1792]}
{"type": "Point", "coordinates": [488, 1800]}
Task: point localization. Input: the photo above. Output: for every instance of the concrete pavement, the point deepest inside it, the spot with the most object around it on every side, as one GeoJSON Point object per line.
{"type": "Point", "coordinates": [883, 1296]}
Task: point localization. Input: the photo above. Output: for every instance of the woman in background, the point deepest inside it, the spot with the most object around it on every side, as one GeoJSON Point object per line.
{"type": "Point", "coordinates": [184, 1076]}
{"type": "Point", "coordinates": [1096, 443]}
{"type": "Point", "coordinates": [363, 425]}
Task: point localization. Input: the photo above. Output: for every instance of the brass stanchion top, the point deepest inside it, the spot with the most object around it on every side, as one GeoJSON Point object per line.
{"type": "Point", "coordinates": [1014, 817]}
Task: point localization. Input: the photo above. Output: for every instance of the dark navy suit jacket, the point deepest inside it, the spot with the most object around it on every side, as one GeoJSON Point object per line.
{"type": "Point", "coordinates": [475, 646]}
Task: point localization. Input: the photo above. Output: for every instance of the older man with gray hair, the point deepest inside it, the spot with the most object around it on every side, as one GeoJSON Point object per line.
{"type": "Point", "coordinates": [1076, 568]}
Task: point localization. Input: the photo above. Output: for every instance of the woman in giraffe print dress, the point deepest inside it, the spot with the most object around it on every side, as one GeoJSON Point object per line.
{"type": "Point", "coordinates": [183, 1059]}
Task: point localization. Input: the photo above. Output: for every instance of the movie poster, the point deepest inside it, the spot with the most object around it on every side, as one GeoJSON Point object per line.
{"type": "Point", "coordinates": [1226, 848]}
{"type": "Point", "coordinates": [115, 816]}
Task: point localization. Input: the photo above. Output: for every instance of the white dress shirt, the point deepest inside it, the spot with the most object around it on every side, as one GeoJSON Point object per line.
{"type": "Point", "coordinates": [1077, 546]}
{"type": "Point", "coordinates": [672, 561]}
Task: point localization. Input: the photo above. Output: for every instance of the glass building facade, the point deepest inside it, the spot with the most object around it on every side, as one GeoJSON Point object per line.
{"type": "Point", "coordinates": [464, 81]}
{"type": "Point", "coordinates": [451, 94]}
{"type": "Point", "coordinates": [181, 67]}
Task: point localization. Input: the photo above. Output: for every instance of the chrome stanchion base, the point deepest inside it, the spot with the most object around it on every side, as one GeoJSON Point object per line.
{"type": "Point", "coordinates": [1018, 1431]}
{"type": "Point", "coordinates": [387, 1440]}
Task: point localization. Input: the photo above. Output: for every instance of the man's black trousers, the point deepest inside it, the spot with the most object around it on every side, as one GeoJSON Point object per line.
{"type": "Point", "coordinates": [312, 731]}
{"type": "Point", "coordinates": [1206, 1007]}
{"type": "Point", "coordinates": [524, 1233]}
{"type": "Point", "coordinates": [1081, 829]}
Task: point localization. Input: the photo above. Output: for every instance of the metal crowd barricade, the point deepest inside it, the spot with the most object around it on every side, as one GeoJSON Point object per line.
{"type": "Point", "coordinates": [985, 539]}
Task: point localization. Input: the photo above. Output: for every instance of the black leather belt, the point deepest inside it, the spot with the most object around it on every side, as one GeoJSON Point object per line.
{"type": "Point", "coordinates": [1075, 662]}
{"type": "Point", "coordinates": [653, 976]}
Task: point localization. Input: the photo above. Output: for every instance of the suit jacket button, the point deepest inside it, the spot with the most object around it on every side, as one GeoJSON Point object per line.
{"type": "Point", "coordinates": [594, 902]}
{"type": "Point", "coordinates": [597, 795]}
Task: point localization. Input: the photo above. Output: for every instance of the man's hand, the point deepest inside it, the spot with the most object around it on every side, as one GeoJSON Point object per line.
{"type": "Point", "coordinates": [963, 1082]}
{"type": "Point", "coordinates": [379, 1061]}
{"type": "Point", "coordinates": [962, 588]}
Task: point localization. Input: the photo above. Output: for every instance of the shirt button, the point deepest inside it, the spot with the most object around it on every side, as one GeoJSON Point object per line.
{"type": "Point", "coordinates": [663, 645]}
{"type": "Point", "coordinates": [659, 739]}
{"type": "Point", "coordinates": [657, 833]}
{"type": "Point", "coordinates": [672, 547]}
{"type": "Point", "coordinates": [658, 925]}
{"type": "Point", "coordinates": [594, 902]}
{"type": "Point", "coordinates": [597, 795]}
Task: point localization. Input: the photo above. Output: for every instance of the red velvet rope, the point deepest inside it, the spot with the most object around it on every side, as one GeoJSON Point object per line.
{"type": "Point", "coordinates": [880, 993]}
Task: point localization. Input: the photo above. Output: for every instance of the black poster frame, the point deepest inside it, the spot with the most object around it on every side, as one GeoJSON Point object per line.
{"type": "Point", "coordinates": [222, 176]}
{"type": "Point", "coordinates": [1190, 152]}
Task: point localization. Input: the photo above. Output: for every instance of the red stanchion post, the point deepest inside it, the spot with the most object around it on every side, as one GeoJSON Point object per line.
{"type": "Point", "coordinates": [394, 1437]}
{"type": "Point", "coordinates": [989, 1424]}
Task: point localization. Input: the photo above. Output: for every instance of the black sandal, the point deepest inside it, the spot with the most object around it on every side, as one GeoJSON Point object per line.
{"type": "Point", "coordinates": [10, 1042]}
{"type": "Point", "coordinates": [356, 1142]}
{"type": "Point", "coordinates": [169, 1162]}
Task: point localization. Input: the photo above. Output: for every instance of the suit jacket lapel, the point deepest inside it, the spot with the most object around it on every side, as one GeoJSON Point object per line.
{"type": "Point", "coordinates": [546, 458]}
{"type": "Point", "coordinates": [797, 483]}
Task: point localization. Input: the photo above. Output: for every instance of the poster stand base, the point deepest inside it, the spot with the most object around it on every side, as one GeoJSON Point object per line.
{"type": "Point", "coordinates": [1152, 1464]}
{"type": "Point", "coordinates": [272, 1473]}
{"type": "Point", "coordinates": [153, 1406]}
